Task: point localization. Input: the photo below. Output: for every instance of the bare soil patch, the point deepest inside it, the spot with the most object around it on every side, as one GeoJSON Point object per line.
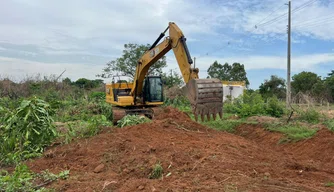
{"type": "Point", "coordinates": [193, 157]}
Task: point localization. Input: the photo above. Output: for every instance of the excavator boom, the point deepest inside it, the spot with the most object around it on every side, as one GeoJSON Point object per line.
{"type": "Point", "coordinates": [205, 95]}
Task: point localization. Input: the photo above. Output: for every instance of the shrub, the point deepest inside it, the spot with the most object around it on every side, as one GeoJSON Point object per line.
{"type": "Point", "coordinates": [26, 130]}
{"type": "Point", "coordinates": [330, 124]}
{"type": "Point", "coordinates": [250, 104]}
{"type": "Point", "coordinates": [274, 108]}
{"type": "Point", "coordinates": [310, 116]}
{"type": "Point", "coordinates": [97, 96]}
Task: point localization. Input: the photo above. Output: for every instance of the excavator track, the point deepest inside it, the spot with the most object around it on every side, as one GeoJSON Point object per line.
{"type": "Point", "coordinates": [206, 98]}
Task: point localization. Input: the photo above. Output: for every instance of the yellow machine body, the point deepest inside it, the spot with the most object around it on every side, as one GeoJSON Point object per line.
{"type": "Point", "coordinates": [145, 92]}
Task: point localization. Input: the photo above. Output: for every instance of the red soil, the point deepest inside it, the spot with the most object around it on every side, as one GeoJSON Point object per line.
{"type": "Point", "coordinates": [195, 157]}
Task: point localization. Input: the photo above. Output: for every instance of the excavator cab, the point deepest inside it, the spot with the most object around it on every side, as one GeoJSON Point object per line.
{"type": "Point", "coordinates": [152, 89]}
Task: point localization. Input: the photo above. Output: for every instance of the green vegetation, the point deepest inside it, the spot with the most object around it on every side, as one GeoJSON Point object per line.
{"type": "Point", "coordinates": [330, 124]}
{"type": "Point", "coordinates": [251, 104]}
{"type": "Point", "coordinates": [23, 179]}
{"type": "Point", "coordinates": [228, 72]}
{"type": "Point", "coordinates": [38, 112]}
{"type": "Point", "coordinates": [157, 171]}
{"type": "Point", "coordinates": [293, 132]}
{"type": "Point", "coordinates": [310, 116]}
{"type": "Point", "coordinates": [26, 130]}
{"type": "Point", "coordinates": [129, 120]}
{"type": "Point", "coordinates": [329, 184]}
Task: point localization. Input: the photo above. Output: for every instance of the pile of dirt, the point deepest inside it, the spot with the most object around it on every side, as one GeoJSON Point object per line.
{"type": "Point", "coordinates": [193, 158]}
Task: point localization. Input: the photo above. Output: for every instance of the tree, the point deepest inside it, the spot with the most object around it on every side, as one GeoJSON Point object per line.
{"type": "Point", "coordinates": [172, 79]}
{"type": "Point", "coordinates": [127, 63]}
{"type": "Point", "coordinates": [304, 81]}
{"type": "Point", "coordinates": [88, 84]}
{"type": "Point", "coordinates": [226, 72]}
{"type": "Point", "coordinates": [329, 83]}
{"type": "Point", "coordinates": [67, 81]}
{"type": "Point", "coordinates": [275, 86]}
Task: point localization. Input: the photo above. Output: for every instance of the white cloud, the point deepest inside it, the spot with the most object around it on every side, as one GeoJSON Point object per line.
{"type": "Point", "coordinates": [101, 28]}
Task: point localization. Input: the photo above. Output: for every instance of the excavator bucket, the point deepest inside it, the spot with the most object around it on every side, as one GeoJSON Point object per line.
{"type": "Point", "coordinates": [206, 98]}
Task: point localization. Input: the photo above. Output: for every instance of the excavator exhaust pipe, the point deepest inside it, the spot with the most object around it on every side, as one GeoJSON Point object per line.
{"type": "Point", "coordinates": [206, 98]}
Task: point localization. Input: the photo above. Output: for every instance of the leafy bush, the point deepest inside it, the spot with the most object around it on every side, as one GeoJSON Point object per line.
{"type": "Point", "coordinates": [250, 104]}
{"type": "Point", "coordinates": [97, 96]}
{"type": "Point", "coordinates": [274, 108]}
{"type": "Point", "coordinates": [180, 102]}
{"type": "Point", "coordinates": [26, 130]}
{"type": "Point", "coordinates": [129, 120]}
{"type": "Point", "coordinates": [310, 116]}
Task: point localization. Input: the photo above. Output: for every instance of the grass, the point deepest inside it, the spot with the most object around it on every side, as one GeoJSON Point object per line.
{"type": "Point", "coordinates": [293, 132]}
{"type": "Point", "coordinates": [227, 125]}
{"type": "Point", "coordinates": [156, 172]}
{"type": "Point", "coordinates": [310, 116]}
{"type": "Point", "coordinates": [329, 184]}
{"type": "Point", "coordinates": [330, 124]}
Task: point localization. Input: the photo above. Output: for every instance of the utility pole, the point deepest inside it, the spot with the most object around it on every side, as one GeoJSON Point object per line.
{"type": "Point", "coordinates": [194, 62]}
{"type": "Point", "coordinates": [288, 90]}
{"type": "Point", "coordinates": [171, 77]}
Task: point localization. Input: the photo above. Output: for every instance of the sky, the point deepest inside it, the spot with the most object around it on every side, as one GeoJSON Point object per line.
{"type": "Point", "coordinates": [81, 36]}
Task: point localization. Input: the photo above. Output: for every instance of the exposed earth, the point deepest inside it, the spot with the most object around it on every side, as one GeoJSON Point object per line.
{"type": "Point", "coordinates": [193, 158]}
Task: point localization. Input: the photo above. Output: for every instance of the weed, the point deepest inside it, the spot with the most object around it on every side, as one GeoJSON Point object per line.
{"type": "Point", "coordinates": [156, 172]}
{"type": "Point", "coordinates": [330, 124]}
{"type": "Point", "coordinates": [129, 120]}
{"type": "Point", "coordinates": [310, 116]}
{"type": "Point", "coordinates": [329, 184]}
{"type": "Point", "coordinates": [23, 179]}
{"type": "Point", "coordinates": [292, 132]}
{"type": "Point", "coordinates": [227, 125]}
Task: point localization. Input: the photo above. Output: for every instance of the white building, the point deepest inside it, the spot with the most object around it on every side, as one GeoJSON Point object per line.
{"type": "Point", "coordinates": [233, 89]}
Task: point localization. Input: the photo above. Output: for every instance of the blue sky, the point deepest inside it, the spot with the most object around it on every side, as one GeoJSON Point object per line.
{"type": "Point", "coordinates": [81, 36]}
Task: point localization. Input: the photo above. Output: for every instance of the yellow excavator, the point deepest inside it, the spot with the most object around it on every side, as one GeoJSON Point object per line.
{"type": "Point", "coordinates": [145, 94]}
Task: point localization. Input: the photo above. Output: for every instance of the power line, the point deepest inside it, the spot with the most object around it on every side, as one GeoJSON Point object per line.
{"type": "Point", "coordinates": [255, 27]}
{"type": "Point", "coordinates": [315, 21]}
{"type": "Point", "coordinates": [303, 6]}
{"type": "Point", "coordinates": [283, 16]}
{"type": "Point", "coordinates": [318, 24]}
{"type": "Point", "coordinates": [273, 20]}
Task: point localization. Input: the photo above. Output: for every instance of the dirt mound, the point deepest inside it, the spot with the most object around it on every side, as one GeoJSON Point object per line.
{"type": "Point", "coordinates": [193, 158]}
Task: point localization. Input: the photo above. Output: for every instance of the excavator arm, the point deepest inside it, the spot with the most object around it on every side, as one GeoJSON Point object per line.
{"type": "Point", "coordinates": [175, 41]}
{"type": "Point", "coordinates": [205, 95]}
